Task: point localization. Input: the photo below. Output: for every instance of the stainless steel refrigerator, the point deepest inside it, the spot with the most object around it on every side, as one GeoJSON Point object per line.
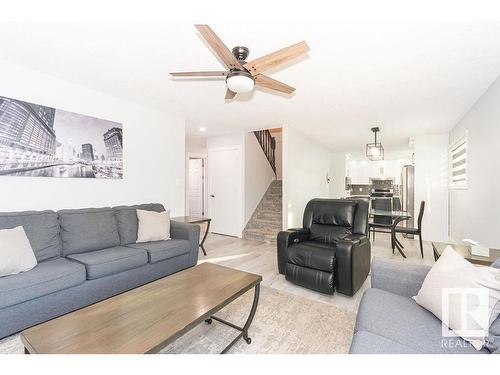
{"type": "Point", "coordinates": [408, 195]}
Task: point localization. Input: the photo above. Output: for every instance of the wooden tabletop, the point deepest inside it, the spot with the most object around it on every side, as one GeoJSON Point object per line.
{"type": "Point", "coordinates": [145, 319]}
{"type": "Point", "coordinates": [191, 219]}
{"type": "Point", "coordinates": [465, 251]}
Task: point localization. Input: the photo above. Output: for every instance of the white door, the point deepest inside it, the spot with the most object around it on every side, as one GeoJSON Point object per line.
{"type": "Point", "coordinates": [196, 187]}
{"type": "Point", "coordinates": [225, 190]}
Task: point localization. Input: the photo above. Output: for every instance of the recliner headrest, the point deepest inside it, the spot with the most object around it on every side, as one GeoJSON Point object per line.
{"type": "Point", "coordinates": [339, 213]}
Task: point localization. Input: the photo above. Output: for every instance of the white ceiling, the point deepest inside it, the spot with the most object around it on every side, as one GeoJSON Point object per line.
{"type": "Point", "coordinates": [409, 78]}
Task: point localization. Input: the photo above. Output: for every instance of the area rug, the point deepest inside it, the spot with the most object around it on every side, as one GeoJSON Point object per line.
{"type": "Point", "coordinates": [284, 324]}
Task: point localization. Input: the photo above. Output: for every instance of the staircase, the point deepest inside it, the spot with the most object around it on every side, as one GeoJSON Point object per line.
{"type": "Point", "coordinates": [266, 220]}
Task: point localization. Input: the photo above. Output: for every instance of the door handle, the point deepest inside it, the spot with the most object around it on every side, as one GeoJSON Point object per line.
{"type": "Point", "coordinates": [212, 196]}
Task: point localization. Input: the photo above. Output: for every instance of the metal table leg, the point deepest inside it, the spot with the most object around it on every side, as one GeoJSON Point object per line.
{"type": "Point", "coordinates": [243, 330]}
{"type": "Point", "coordinates": [204, 238]}
{"type": "Point", "coordinates": [395, 242]}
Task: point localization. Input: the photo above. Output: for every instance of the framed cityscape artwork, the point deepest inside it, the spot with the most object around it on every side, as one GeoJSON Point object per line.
{"type": "Point", "coordinates": [40, 141]}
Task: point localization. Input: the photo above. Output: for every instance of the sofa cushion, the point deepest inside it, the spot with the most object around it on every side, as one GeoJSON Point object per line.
{"type": "Point", "coordinates": [368, 343]}
{"type": "Point", "coordinates": [47, 277]}
{"type": "Point", "coordinates": [88, 229]}
{"type": "Point", "coordinates": [106, 262]}
{"type": "Point", "coordinates": [320, 256]}
{"type": "Point", "coordinates": [127, 220]}
{"type": "Point", "coordinates": [161, 250]}
{"type": "Point", "coordinates": [42, 230]}
{"type": "Point", "coordinates": [402, 320]}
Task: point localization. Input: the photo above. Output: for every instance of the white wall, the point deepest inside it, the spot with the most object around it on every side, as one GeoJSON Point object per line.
{"type": "Point", "coordinates": [475, 212]}
{"type": "Point", "coordinates": [337, 175]}
{"type": "Point", "coordinates": [305, 165]}
{"type": "Point", "coordinates": [431, 185]}
{"type": "Point", "coordinates": [227, 140]}
{"type": "Point", "coordinates": [258, 175]}
{"type": "Point", "coordinates": [196, 145]}
{"type": "Point", "coordinates": [153, 150]}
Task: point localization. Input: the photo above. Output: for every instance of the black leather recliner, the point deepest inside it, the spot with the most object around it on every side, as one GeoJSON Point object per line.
{"type": "Point", "coordinates": [332, 250]}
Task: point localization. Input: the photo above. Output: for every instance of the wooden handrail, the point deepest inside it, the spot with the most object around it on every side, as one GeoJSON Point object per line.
{"type": "Point", "coordinates": [268, 144]}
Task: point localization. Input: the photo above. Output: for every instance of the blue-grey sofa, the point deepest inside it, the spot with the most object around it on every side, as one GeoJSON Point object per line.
{"type": "Point", "coordinates": [389, 321]}
{"type": "Point", "coordinates": [84, 256]}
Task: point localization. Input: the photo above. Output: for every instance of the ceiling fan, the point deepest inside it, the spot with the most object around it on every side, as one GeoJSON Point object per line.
{"type": "Point", "coordinates": [242, 76]}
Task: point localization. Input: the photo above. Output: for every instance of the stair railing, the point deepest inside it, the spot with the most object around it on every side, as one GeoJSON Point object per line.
{"type": "Point", "coordinates": [268, 144]}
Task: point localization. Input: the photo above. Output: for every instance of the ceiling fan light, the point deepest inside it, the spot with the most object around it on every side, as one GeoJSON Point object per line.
{"type": "Point", "coordinates": [240, 82]}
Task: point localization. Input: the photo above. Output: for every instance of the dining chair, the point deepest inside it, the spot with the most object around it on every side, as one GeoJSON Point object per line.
{"type": "Point", "coordinates": [396, 203]}
{"type": "Point", "coordinates": [381, 224]}
{"type": "Point", "coordinates": [415, 231]}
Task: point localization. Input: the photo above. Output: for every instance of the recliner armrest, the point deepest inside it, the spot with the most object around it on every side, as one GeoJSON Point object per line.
{"type": "Point", "coordinates": [287, 238]}
{"type": "Point", "coordinates": [353, 256]}
{"type": "Point", "coordinates": [357, 238]}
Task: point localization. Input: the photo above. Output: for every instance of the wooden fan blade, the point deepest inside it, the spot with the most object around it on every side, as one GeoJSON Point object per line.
{"type": "Point", "coordinates": [200, 74]}
{"type": "Point", "coordinates": [230, 94]}
{"type": "Point", "coordinates": [218, 47]}
{"type": "Point", "coordinates": [281, 56]}
{"type": "Point", "coordinates": [268, 82]}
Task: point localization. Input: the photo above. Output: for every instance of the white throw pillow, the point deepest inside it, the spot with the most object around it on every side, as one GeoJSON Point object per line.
{"type": "Point", "coordinates": [16, 254]}
{"type": "Point", "coordinates": [463, 296]}
{"type": "Point", "coordinates": [153, 226]}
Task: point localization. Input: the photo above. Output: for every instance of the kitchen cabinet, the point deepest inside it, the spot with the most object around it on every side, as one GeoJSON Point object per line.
{"type": "Point", "coordinates": [360, 172]}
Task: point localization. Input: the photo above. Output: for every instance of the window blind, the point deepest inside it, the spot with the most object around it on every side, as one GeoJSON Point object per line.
{"type": "Point", "coordinates": [458, 163]}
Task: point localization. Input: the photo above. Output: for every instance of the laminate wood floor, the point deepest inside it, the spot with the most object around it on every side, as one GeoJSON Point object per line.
{"type": "Point", "coordinates": [260, 258]}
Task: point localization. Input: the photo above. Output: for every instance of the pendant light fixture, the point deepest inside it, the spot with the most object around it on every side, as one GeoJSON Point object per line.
{"type": "Point", "coordinates": [375, 151]}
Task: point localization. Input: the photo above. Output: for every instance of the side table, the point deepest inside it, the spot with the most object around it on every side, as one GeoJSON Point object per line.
{"type": "Point", "coordinates": [196, 220]}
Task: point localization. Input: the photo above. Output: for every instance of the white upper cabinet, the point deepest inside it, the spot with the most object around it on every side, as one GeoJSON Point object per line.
{"type": "Point", "coordinates": [360, 172]}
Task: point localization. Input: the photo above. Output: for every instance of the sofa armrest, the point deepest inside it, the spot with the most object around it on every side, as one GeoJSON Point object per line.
{"type": "Point", "coordinates": [353, 256]}
{"type": "Point", "coordinates": [190, 232]}
{"type": "Point", "coordinates": [496, 263]}
{"type": "Point", "coordinates": [398, 277]}
{"type": "Point", "coordinates": [285, 239]}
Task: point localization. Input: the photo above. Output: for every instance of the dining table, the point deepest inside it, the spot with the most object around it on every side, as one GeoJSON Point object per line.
{"type": "Point", "coordinates": [397, 217]}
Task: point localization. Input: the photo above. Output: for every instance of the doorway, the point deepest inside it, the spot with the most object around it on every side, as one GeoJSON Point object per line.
{"type": "Point", "coordinates": [196, 187]}
{"type": "Point", "coordinates": [225, 190]}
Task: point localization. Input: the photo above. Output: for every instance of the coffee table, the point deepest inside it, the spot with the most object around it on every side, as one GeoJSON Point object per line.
{"type": "Point", "coordinates": [465, 251]}
{"type": "Point", "coordinates": [146, 319]}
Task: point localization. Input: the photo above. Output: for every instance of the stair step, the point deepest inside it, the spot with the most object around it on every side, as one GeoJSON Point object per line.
{"type": "Point", "coordinates": [273, 204]}
{"type": "Point", "coordinates": [269, 209]}
{"type": "Point", "coordinates": [264, 228]}
{"type": "Point", "coordinates": [268, 216]}
{"type": "Point", "coordinates": [252, 234]}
